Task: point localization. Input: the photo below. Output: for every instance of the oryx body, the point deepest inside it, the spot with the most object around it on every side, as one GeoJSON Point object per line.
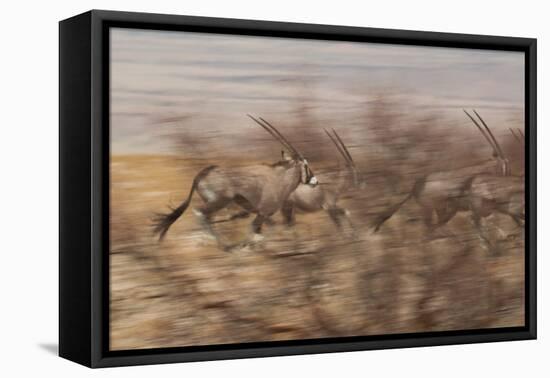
{"type": "Point", "coordinates": [443, 194]}
{"type": "Point", "coordinates": [491, 194]}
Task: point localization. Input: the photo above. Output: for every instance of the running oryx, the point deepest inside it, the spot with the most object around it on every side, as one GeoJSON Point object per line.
{"type": "Point", "coordinates": [489, 194]}
{"type": "Point", "coordinates": [504, 194]}
{"type": "Point", "coordinates": [446, 193]}
{"type": "Point", "coordinates": [259, 189]}
{"type": "Point", "coordinates": [308, 198]}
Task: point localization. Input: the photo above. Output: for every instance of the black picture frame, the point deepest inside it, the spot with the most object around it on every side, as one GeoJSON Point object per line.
{"type": "Point", "coordinates": [84, 187]}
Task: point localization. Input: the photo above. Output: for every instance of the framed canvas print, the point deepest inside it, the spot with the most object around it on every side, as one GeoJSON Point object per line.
{"type": "Point", "coordinates": [234, 188]}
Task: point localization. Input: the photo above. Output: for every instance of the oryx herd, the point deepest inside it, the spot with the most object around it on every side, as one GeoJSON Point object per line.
{"type": "Point", "coordinates": [289, 185]}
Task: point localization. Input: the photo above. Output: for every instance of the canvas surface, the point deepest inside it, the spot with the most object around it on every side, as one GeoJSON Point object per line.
{"type": "Point", "coordinates": [414, 222]}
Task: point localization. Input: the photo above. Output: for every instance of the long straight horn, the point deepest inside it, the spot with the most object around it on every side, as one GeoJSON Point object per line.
{"type": "Point", "coordinates": [272, 133]}
{"type": "Point", "coordinates": [337, 146]}
{"type": "Point", "coordinates": [293, 149]}
{"type": "Point", "coordinates": [350, 159]}
{"type": "Point", "coordinates": [501, 154]}
{"type": "Point", "coordinates": [514, 134]}
{"type": "Point", "coordinates": [495, 151]}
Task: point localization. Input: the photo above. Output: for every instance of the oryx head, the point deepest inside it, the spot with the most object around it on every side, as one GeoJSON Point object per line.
{"type": "Point", "coordinates": [502, 162]}
{"type": "Point", "coordinates": [295, 158]}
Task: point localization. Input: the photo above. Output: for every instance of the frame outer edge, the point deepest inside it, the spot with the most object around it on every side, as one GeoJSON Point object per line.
{"type": "Point", "coordinates": [98, 107]}
{"type": "Point", "coordinates": [399, 36]}
{"type": "Point", "coordinates": [532, 166]}
{"type": "Point", "coordinates": [74, 192]}
{"type": "Point", "coordinates": [98, 112]}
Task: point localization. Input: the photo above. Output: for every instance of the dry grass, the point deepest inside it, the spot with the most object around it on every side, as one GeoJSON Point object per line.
{"type": "Point", "coordinates": [309, 281]}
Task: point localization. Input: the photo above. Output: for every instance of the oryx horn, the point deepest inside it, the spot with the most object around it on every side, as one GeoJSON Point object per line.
{"type": "Point", "coordinates": [515, 135]}
{"type": "Point", "coordinates": [293, 149]}
{"type": "Point", "coordinates": [487, 138]}
{"type": "Point", "coordinates": [339, 146]}
{"type": "Point", "coordinates": [344, 147]}
{"type": "Point", "coordinates": [501, 154]}
{"type": "Point", "coordinates": [275, 135]}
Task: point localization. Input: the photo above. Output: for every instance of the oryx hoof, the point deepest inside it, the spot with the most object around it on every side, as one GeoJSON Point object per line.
{"type": "Point", "coordinates": [229, 248]}
{"type": "Point", "coordinates": [209, 237]}
{"type": "Point", "coordinates": [198, 213]}
{"type": "Point", "coordinates": [257, 238]}
{"type": "Point", "coordinates": [438, 237]}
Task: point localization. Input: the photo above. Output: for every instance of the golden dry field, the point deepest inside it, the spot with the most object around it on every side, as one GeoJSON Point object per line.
{"type": "Point", "coordinates": [302, 282]}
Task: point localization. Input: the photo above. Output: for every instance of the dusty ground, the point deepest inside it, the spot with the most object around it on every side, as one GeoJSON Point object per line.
{"type": "Point", "coordinates": [309, 281]}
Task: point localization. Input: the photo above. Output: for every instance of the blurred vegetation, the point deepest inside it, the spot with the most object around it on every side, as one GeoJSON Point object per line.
{"type": "Point", "coordinates": [310, 280]}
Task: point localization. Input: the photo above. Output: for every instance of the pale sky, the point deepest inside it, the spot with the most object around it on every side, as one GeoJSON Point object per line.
{"type": "Point", "coordinates": [220, 78]}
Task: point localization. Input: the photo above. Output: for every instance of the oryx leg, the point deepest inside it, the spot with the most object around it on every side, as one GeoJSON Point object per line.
{"type": "Point", "coordinates": [256, 236]}
{"type": "Point", "coordinates": [482, 208]}
{"type": "Point", "coordinates": [288, 213]}
{"type": "Point", "coordinates": [240, 215]}
{"type": "Point", "coordinates": [248, 209]}
{"type": "Point", "coordinates": [257, 224]}
{"type": "Point", "coordinates": [477, 219]}
{"type": "Point", "coordinates": [207, 211]}
{"type": "Point", "coordinates": [517, 218]}
{"type": "Point", "coordinates": [337, 214]}
{"type": "Point", "coordinates": [445, 215]}
{"type": "Point", "coordinates": [444, 212]}
{"type": "Point", "coordinates": [427, 217]}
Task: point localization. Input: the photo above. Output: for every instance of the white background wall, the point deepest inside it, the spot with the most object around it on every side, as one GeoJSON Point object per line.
{"type": "Point", "coordinates": [28, 158]}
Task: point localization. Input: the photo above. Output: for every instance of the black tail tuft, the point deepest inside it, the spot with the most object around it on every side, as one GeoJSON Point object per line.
{"type": "Point", "coordinates": [162, 222]}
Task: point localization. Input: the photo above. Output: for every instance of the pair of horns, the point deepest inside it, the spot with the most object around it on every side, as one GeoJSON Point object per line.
{"type": "Point", "coordinates": [277, 135]}
{"type": "Point", "coordinates": [335, 138]}
{"type": "Point", "coordinates": [497, 151]}
{"type": "Point", "coordinates": [520, 137]}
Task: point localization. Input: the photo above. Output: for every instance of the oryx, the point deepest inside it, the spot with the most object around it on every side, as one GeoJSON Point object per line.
{"type": "Point", "coordinates": [497, 194]}
{"type": "Point", "coordinates": [443, 194]}
{"type": "Point", "coordinates": [308, 198]}
{"type": "Point", "coordinates": [260, 189]}
{"type": "Point", "coordinates": [490, 194]}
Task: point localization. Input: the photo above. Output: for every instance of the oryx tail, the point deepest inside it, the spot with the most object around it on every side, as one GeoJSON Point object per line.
{"type": "Point", "coordinates": [162, 222]}
{"type": "Point", "coordinates": [417, 188]}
